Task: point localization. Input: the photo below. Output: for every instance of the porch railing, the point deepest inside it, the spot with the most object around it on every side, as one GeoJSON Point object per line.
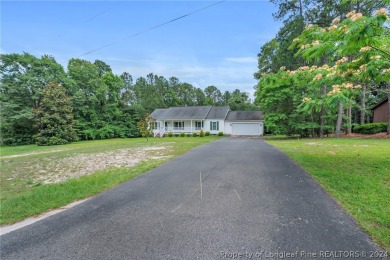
{"type": "Point", "coordinates": [183, 129]}
{"type": "Point", "coordinates": [161, 131]}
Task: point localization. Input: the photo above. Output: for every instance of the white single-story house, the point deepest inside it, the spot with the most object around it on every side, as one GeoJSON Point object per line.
{"type": "Point", "coordinates": [207, 118]}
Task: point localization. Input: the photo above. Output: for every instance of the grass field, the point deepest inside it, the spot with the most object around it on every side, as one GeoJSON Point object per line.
{"type": "Point", "coordinates": [35, 179]}
{"type": "Point", "coordinates": [354, 171]}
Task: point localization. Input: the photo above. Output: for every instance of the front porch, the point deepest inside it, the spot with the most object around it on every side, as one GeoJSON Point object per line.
{"type": "Point", "coordinates": [177, 127]}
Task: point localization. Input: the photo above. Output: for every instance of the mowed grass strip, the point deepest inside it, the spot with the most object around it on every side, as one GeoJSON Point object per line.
{"type": "Point", "coordinates": [21, 197]}
{"type": "Point", "coordinates": [356, 172]}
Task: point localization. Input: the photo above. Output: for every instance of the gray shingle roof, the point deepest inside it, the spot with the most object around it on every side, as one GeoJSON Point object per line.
{"type": "Point", "coordinates": [218, 113]}
{"type": "Point", "coordinates": [156, 114]}
{"type": "Point", "coordinates": [244, 116]}
{"type": "Point", "coordinates": [205, 112]}
{"type": "Point", "coordinates": [182, 113]}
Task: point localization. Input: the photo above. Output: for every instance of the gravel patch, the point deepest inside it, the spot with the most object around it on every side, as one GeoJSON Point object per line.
{"type": "Point", "coordinates": [48, 171]}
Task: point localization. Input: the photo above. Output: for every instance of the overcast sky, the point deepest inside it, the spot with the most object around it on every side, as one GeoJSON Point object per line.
{"type": "Point", "coordinates": [216, 46]}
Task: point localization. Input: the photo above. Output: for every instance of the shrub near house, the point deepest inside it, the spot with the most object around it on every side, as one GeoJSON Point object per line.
{"type": "Point", "coordinates": [373, 128]}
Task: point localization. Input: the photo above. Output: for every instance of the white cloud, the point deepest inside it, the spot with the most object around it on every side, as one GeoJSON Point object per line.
{"type": "Point", "coordinates": [2, 51]}
{"type": "Point", "coordinates": [242, 59]}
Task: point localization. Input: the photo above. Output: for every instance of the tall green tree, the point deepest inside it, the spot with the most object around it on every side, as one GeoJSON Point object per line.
{"type": "Point", "coordinates": [359, 42]}
{"type": "Point", "coordinates": [85, 80]}
{"type": "Point", "coordinates": [103, 67]}
{"type": "Point", "coordinates": [101, 101]}
{"type": "Point", "coordinates": [200, 97]}
{"type": "Point", "coordinates": [213, 96]}
{"type": "Point", "coordinates": [54, 117]}
{"type": "Point", "coordinates": [23, 80]}
{"type": "Point", "coordinates": [126, 93]}
{"type": "Point", "coordinates": [295, 14]}
{"type": "Point", "coordinates": [225, 98]}
{"type": "Point", "coordinates": [355, 51]}
{"type": "Point", "coordinates": [104, 105]}
{"type": "Point", "coordinates": [240, 101]}
{"type": "Point", "coordinates": [280, 53]}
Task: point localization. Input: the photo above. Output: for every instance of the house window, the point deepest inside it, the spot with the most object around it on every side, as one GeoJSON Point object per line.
{"type": "Point", "coordinates": [214, 126]}
{"type": "Point", "coordinates": [198, 125]}
{"type": "Point", "coordinates": [178, 125]}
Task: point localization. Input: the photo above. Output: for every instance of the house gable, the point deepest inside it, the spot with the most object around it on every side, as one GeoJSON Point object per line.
{"type": "Point", "coordinates": [218, 112]}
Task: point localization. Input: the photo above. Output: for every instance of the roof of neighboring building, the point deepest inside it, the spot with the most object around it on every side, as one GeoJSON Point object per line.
{"type": "Point", "coordinates": [181, 113]}
{"type": "Point", "coordinates": [218, 112]}
{"type": "Point", "coordinates": [244, 116]}
{"type": "Point", "coordinates": [380, 103]}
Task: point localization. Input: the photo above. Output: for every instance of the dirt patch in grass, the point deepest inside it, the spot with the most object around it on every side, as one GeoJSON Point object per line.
{"type": "Point", "coordinates": [33, 153]}
{"type": "Point", "coordinates": [313, 143]}
{"type": "Point", "coordinates": [40, 178]}
{"type": "Point", "coordinates": [47, 170]}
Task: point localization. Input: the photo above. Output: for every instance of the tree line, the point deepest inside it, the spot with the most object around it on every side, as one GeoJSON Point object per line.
{"type": "Point", "coordinates": [326, 67]}
{"type": "Point", "coordinates": [43, 103]}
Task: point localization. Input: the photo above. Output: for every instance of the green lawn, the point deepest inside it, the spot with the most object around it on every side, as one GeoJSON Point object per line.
{"type": "Point", "coordinates": [35, 179]}
{"type": "Point", "coordinates": [354, 171]}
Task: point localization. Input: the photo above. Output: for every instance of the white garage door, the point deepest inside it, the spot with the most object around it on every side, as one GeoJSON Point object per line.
{"type": "Point", "coordinates": [247, 129]}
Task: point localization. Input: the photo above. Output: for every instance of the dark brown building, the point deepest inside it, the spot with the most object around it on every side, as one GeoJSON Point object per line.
{"type": "Point", "coordinates": [381, 111]}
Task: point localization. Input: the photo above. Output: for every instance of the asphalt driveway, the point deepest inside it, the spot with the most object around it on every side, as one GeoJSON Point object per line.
{"type": "Point", "coordinates": [236, 197]}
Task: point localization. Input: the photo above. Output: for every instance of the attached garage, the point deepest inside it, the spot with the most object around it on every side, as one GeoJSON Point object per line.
{"type": "Point", "coordinates": [248, 123]}
{"type": "Point", "coordinates": [247, 128]}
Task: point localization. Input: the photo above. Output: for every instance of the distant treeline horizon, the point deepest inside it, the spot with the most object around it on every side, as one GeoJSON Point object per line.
{"type": "Point", "coordinates": [101, 104]}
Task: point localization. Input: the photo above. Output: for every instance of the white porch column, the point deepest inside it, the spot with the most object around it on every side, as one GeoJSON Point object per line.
{"type": "Point", "coordinates": [191, 126]}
